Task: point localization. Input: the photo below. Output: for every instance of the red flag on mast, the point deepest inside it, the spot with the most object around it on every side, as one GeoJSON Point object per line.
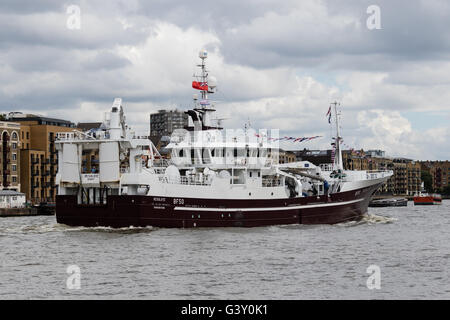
{"type": "Point", "coordinates": [200, 85]}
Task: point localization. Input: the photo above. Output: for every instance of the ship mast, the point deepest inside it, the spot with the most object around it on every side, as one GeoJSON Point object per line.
{"type": "Point", "coordinates": [338, 160]}
{"type": "Point", "coordinates": [205, 86]}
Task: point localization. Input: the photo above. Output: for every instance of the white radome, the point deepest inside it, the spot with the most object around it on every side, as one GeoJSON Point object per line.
{"type": "Point", "coordinates": [203, 54]}
{"type": "Point", "coordinates": [212, 82]}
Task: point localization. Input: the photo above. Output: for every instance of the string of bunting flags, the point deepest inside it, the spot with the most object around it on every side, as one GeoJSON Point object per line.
{"type": "Point", "coordinates": [293, 139]}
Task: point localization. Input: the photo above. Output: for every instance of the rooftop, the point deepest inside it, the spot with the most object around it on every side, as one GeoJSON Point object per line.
{"type": "Point", "coordinates": [41, 120]}
{"type": "Point", "coordinates": [11, 193]}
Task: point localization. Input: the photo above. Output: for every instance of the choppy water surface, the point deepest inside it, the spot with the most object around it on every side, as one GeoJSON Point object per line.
{"type": "Point", "coordinates": [411, 245]}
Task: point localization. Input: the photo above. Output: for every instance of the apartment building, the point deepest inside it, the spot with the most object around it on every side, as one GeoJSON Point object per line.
{"type": "Point", "coordinates": [406, 179]}
{"type": "Point", "coordinates": [285, 156]}
{"type": "Point", "coordinates": [10, 156]}
{"type": "Point", "coordinates": [38, 156]}
{"type": "Point", "coordinates": [164, 122]}
{"type": "Point", "coordinates": [440, 173]}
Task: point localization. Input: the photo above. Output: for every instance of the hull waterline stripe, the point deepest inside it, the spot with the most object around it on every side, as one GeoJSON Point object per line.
{"type": "Point", "coordinates": [271, 208]}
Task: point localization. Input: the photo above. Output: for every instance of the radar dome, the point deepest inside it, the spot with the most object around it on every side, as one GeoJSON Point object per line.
{"type": "Point", "coordinates": [212, 82]}
{"type": "Point", "coordinates": [203, 54]}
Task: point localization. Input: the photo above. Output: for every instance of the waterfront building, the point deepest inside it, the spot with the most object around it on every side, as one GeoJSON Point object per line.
{"type": "Point", "coordinates": [406, 177]}
{"type": "Point", "coordinates": [376, 153]}
{"type": "Point", "coordinates": [440, 173]}
{"type": "Point", "coordinates": [286, 156]}
{"type": "Point", "coordinates": [10, 156]}
{"type": "Point", "coordinates": [38, 156]}
{"type": "Point", "coordinates": [12, 199]}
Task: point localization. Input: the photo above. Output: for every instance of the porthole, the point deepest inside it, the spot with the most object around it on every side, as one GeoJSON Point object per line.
{"type": "Point", "coordinates": [249, 193]}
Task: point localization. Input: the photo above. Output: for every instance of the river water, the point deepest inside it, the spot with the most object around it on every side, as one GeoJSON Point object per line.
{"type": "Point", "coordinates": [410, 245]}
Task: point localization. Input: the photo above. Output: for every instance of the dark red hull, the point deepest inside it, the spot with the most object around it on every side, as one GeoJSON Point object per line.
{"type": "Point", "coordinates": [142, 211]}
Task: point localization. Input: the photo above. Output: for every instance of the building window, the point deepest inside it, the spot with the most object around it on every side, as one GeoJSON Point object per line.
{"type": "Point", "coordinates": [14, 156]}
{"type": "Point", "coordinates": [14, 145]}
{"type": "Point", "coordinates": [14, 167]}
{"type": "Point", "coordinates": [14, 179]}
{"type": "Point", "coordinates": [14, 135]}
{"type": "Point", "coordinates": [28, 135]}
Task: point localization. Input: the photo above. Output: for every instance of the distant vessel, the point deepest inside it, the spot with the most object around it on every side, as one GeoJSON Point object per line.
{"type": "Point", "coordinates": [394, 202]}
{"type": "Point", "coordinates": [427, 199]}
{"type": "Point", "coordinates": [211, 179]}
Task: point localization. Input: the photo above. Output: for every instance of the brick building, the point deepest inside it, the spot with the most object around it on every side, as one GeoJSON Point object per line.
{"type": "Point", "coordinates": [38, 156]}
{"type": "Point", "coordinates": [440, 173]}
{"type": "Point", "coordinates": [10, 156]}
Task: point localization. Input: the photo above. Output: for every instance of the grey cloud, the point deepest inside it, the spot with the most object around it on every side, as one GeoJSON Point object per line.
{"type": "Point", "coordinates": [26, 6]}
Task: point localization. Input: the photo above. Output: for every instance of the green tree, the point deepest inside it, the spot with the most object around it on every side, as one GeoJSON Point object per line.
{"type": "Point", "coordinates": [425, 176]}
{"type": "Point", "coordinates": [2, 117]}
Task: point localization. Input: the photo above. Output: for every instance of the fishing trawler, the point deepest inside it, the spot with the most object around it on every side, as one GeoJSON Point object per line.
{"type": "Point", "coordinates": [214, 177]}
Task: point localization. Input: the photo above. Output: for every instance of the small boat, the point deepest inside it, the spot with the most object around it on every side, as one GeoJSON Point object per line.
{"type": "Point", "coordinates": [395, 202]}
{"type": "Point", "coordinates": [427, 199]}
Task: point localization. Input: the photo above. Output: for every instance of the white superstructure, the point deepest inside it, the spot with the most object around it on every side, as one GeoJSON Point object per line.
{"type": "Point", "coordinates": [205, 161]}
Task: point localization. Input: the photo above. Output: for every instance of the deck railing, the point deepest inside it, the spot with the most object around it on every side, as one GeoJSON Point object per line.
{"type": "Point", "coordinates": [204, 181]}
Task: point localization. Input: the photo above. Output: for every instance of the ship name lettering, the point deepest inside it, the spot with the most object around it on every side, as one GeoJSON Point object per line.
{"type": "Point", "coordinates": [159, 199]}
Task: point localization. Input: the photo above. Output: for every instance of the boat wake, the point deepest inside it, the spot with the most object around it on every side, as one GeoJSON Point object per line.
{"type": "Point", "coordinates": [368, 219]}
{"type": "Point", "coordinates": [124, 230]}
{"type": "Point", "coordinates": [57, 227]}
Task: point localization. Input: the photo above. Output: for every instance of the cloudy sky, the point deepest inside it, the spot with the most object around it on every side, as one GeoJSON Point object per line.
{"type": "Point", "coordinates": [278, 64]}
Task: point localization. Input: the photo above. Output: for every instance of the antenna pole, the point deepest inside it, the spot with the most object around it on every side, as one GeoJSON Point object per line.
{"type": "Point", "coordinates": [338, 139]}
